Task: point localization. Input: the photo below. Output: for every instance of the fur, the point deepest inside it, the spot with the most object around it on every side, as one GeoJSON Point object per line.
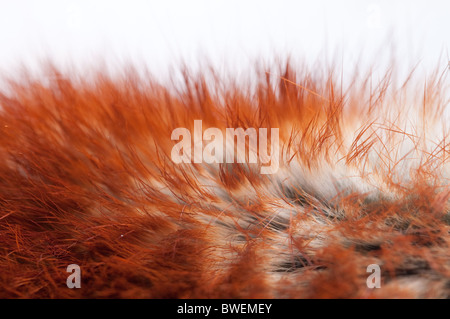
{"type": "Point", "coordinates": [86, 178]}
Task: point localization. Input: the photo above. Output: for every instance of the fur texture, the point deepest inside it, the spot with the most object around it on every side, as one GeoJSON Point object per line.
{"type": "Point", "coordinates": [86, 178]}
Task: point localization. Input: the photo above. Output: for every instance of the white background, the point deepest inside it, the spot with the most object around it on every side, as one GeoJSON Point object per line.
{"type": "Point", "coordinates": [230, 33]}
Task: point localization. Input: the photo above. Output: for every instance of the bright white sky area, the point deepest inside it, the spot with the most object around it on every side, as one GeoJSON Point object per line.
{"type": "Point", "coordinates": [228, 32]}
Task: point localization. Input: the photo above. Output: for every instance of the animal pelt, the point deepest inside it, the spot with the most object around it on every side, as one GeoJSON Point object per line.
{"type": "Point", "coordinates": [87, 178]}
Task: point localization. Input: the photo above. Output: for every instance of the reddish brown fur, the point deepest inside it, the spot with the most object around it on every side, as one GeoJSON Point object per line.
{"type": "Point", "coordinates": [87, 179]}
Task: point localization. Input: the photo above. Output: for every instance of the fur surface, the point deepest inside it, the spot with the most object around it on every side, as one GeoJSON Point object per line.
{"type": "Point", "coordinates": [86, 178]}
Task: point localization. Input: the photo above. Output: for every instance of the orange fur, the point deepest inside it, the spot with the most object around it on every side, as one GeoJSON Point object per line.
{"type": "Point", "coordinates": [87, 179]}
